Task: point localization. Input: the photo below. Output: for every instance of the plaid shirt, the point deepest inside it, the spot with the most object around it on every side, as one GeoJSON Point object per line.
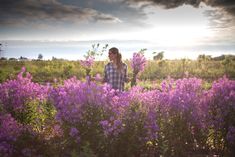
{"type": "Point", "coordinates": [115, 78]}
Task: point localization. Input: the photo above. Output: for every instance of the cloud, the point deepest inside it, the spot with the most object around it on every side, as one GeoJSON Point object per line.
{"type": "Point", "coordinates": [226, 5]}
{"type": "Point", "coordinates": [167, 4]}
{"type": "Point", "coordinates": [219, 19]}
{"type": "Point", "coordinates": [221, 16]}
{"type": "Point", "coordinates": [29, 11]}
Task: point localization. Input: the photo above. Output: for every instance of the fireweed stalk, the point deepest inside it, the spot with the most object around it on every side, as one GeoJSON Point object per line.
{"type": "Point", "coordinates": [87, 64]}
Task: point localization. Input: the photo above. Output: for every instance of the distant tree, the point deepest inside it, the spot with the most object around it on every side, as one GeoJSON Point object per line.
{"type": "Point", "coordinates": [3, 58]}
{"type": "Point", "coordinates": [227, 60]}
{"type": "Point", "coordinates": [40, 56]}
{"type": "Point", "coordinates": [53, 58]}
{"type": "Point", "coordinates": [204, 57]}
{"type": "Point", "coordinates": [159, 56]}
{"type": "Point", "coordinates": [0, 50]}
{"type": "Point", "coordinates": [224, 57]}
{"type": "Point", "coordinates": [23, 58]}
{"type": "Point", "coordinates": [12, 59]}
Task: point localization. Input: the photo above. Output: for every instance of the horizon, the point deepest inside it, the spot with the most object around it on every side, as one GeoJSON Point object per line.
{"type": "Point", "coordinates": [75, 50]}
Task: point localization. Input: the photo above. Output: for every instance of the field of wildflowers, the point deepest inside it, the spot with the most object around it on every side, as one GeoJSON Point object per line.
{"type": "Point", "coordinates": [83, 118]}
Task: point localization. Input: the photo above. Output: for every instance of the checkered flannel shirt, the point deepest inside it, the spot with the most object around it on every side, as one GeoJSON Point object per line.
{"type": "Point", "coordinates": [115, 78]}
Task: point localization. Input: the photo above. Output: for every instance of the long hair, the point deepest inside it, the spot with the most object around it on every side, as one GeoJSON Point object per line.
{"type": "Point", "coordinates": [119, 63]}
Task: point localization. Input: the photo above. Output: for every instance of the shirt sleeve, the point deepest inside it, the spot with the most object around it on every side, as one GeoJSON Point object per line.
{"type": "Point", "coordinates": [125, 73]}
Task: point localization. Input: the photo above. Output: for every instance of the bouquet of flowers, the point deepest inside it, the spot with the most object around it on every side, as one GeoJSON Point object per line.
{"type": "Point", "coordinates": [137, 63]}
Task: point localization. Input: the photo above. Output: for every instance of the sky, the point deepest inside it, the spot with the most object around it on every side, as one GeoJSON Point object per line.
{"type": "Point", "coordinates": [181, 28]}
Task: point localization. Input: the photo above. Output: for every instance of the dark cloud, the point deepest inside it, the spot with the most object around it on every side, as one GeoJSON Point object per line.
{"type": "Point", "coordinates": [13, 12]}
{"type": "Point", "coordinates": [227, 5]}
{"type": "Point", "coordinates": [167, 4]}
{"type": "Point", "coordinates": [219, 20]}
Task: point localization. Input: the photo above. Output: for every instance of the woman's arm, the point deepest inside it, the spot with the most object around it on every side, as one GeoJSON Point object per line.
{"type": "Point", "coordinates": [105, 79]}
{"type": "Point", "coordinates": [125, 74]}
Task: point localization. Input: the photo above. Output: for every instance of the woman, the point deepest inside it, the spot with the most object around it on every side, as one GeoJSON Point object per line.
{"type": "Point", "coordinates": [115, 72]}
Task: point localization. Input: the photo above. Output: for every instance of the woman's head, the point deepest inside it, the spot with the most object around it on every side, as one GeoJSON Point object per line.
{"type": "Point", "coordinates": [115, 56]}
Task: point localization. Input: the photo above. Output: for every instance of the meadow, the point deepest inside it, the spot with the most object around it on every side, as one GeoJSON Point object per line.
{"type": "Point", "coordinates": [176, 108]}
{"type": "Point", "coordinates": [43, 71]}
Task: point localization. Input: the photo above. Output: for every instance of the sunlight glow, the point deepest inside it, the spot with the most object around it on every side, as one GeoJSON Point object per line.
{"type": "Point", "coordinates": [178, 35]}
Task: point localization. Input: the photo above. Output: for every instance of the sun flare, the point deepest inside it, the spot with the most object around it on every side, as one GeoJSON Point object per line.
{"type": "Point", "coordinates": [178, 35]}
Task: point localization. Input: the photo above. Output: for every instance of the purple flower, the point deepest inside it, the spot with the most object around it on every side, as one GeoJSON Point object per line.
{"type": "Point", "coordinates": [88, 62]}
{"type": "Point", "coordinates": [27, 152]}
{"type": "Point", "coordinates": [231, 135]}
{"type": "Point", "coordinates": [73, 132]}
{"type": "Point", "coordinates": [14, 94]}
{"type": "Point", "coordinates": [104, 123]}
{"type": "Point", "coordinates": [10, 130]}
{"type": "Point", "coordinates": [146, 115]}
{"type": "Point", "coordinates": [98, 77]}
{"type": "Point", "coordinates": [138, 62]}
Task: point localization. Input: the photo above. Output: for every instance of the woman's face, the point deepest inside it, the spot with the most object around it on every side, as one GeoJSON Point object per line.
{"type": "Point", "coordinates": [112, 56]}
